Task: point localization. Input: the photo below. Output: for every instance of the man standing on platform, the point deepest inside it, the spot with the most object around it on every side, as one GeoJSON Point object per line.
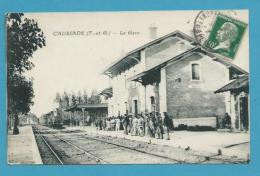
{"type": "Point", "coordinates": [166, 125]}
{"type": "Point", "coordinates": [125, 124]}
{"type": "Point", "coordinates": [141, 125]}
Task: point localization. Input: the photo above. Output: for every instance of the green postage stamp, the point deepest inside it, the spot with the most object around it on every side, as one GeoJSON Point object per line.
{"type": "Point", "coordinates": [225, 36]}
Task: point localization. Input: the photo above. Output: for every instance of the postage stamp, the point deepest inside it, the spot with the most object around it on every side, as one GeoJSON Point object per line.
{"type": "Point", "coordinates": [225, 36]}
{"type": "Point", "coordinates": [204, 21]}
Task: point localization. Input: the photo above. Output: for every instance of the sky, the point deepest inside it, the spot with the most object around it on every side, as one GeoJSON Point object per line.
{"type": "Point", "coordinates": [74, 63]}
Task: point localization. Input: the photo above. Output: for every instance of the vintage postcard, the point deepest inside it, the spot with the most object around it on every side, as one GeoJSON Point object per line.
{"type": "Point", "coordinates": [144, 87]}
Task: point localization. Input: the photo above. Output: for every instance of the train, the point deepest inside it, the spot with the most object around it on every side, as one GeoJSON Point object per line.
{"type": "Point", "coordinates": [52, 119]}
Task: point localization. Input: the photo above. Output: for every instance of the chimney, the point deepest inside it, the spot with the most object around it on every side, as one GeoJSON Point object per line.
{"type": "Point", "coordinates": [153, 32]}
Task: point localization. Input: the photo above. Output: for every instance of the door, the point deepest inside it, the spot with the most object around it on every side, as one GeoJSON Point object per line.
{"type": "Point", "coordinates": [244, 113]}
{"type": "Point", "coordinates": [135, 107]}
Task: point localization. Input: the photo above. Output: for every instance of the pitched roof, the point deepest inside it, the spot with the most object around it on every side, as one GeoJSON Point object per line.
{"type": "Point", "coordinates": [182, 56]}
{"type": "Point", "coordinates": [239, 83]}
{"type": "Point", "coordinates": [132, 56]}
{"type": "Point", "coordinates": [223, 60]}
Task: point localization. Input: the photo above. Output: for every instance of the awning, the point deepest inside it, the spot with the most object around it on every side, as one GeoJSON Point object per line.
{"type": "Point", "coordinates": [147, 77]}
{"type": "Point", "coordinates": [241, 83]}
{"type": "Point", "coordinates": [87, 107]}
{"type": "Point", "coordinates": [123, 64]}
{"type": "Point", "coordinates": [108, 92]}
{"type": "Point", "coordinates": [138, 77]}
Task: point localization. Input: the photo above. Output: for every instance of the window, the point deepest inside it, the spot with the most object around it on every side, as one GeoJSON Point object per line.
{"type": "Point", "coordinates": [195, 72]}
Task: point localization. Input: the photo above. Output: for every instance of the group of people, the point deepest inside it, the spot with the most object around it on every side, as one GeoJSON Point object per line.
{"type": "Point", "coordinates": [144, 124]}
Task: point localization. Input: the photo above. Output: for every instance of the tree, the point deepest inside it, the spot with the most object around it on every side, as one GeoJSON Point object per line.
{"type": "Point", "coordinates": [94, 98]}
{"type": "Point", "coordinates": [79, 98]}
{"type": "Point", "coordinates": [24, 37]}
{"type": "Point", "coordinates": [73, 99]}
{"type": "Point", "coordinates": [20, 96]}
{"type": "Point", "coordinates": [66, 99]}
{"type": "Point", "coordinates": [85, 97]}
{"type": "Point", "coordinates": [58, 99]}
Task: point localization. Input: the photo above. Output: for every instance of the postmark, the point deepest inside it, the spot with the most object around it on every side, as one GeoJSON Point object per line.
{"type": "Point", "coordinates": [225, 36]}
{"type": "Point", "coordinates": [204, 21]}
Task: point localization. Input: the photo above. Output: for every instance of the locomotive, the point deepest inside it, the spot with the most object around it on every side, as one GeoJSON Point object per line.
{"type": "Point", "coordinates": [52, 119]}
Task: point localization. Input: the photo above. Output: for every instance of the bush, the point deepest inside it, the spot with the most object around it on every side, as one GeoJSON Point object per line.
{"type": "Point", "coordinates": [201, 128]}
{"type": "Point", "coordinates": [182, 127]}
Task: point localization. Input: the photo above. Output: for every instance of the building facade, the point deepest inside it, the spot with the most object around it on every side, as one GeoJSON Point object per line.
{"type": "Point", "coordinates": [239, 102]}
{"type": "Point", "coordinates": [171, 74]}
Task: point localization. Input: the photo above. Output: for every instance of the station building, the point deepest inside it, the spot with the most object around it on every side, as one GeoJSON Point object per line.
{"type": "Point", "coordinates": [172, 74]}
{"type": "Point", "coordinates": [85, 114]}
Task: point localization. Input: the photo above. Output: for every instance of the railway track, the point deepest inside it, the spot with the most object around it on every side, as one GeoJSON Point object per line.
{"type": "Point", "coordinates": [205, 159]}
{"type": "Point", "coordinates": [93, 147]}
{"type": "Point", "coordinates": [135, 150]}
{"type": "Point", "coordinates": [57, 155]}
{"type": "Point", "coordinates": [97, 158]}
{"type": "Point", "coordinates": [48, 153]}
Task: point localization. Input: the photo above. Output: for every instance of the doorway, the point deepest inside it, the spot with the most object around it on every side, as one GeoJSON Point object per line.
{"type": "Point", "coordinates": [244, 115]}
{"type": "Point", "coordinates": [135, 107]}
{"type": "Point", "coordinates": [152, 104]}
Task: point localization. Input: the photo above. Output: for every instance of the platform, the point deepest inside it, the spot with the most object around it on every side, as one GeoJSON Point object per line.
{"type": "Point", "coordinates": [201, 142]}
{"type": "Point", "coordinates": [22, 148]}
